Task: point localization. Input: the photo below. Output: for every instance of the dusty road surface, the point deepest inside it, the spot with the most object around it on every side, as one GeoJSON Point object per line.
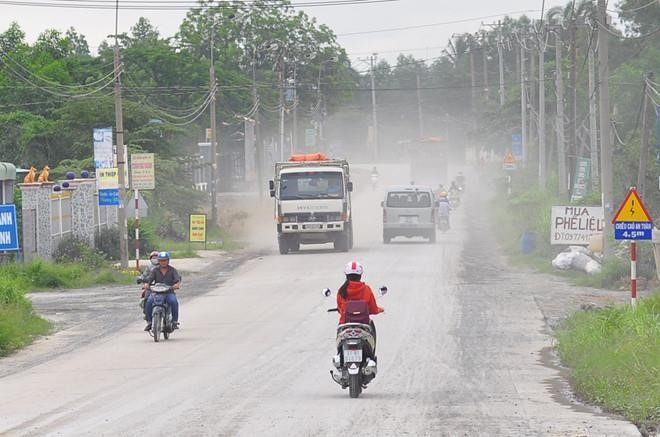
{"type": "Point", "coordinates": [461, 352]}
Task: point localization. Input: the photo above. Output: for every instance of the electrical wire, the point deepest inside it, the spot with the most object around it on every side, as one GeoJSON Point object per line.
{"type": "Point", "coordinates": [443, 23]}
{"type": "Point", "coordinates": [55, 93]}
{"type": "Point", "coordinates": [5, 55]}
{"type": "Point", "coordinates": [616, 35]}
{"type": "Point", "coordinates": [182, 5]}
{"type": "Point", "coordinates": [625, 11]}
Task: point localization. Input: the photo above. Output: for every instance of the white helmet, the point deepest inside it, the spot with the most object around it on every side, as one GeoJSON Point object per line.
{"type": "Point", "coordinates": [353, 268]}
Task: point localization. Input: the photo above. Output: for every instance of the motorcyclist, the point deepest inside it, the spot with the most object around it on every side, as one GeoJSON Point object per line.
{"type": "Point", "coordinates": [443, 206]}
{"type": "Point", "coordinates": [461, 180]}
{"type": "Point", "coordinates": [374, 177]}
{"type": "Point", "coordinates": [168, 275]}
{"type": "Point", "coordinates": [142, 279]}
{"type": "Point", "coordinates": [354, 289]}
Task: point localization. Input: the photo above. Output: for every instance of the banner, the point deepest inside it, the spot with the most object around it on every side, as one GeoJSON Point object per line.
{"type": "Point", "coordinates": [582, 178]}
{"type": "Point", "coordinates": [8, 228]}
{"type": "Point", "coordinates": [576, 224]}
{"type": "Point", "coordinates": [143, 172]}
{"type": "Point", "coordinates": [197, 228]}
{"type": "Point", "coordinates": [104, 156]}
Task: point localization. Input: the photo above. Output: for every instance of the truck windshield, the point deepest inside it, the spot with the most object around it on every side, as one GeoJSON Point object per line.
{"type": "Point", "coordinates": [408, 199]}
{"type": "Point", "coordinates": [311, 185]}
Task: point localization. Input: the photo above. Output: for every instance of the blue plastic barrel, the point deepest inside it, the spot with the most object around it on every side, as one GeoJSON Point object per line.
{"type": "Point", "coordinates": [527, 242]}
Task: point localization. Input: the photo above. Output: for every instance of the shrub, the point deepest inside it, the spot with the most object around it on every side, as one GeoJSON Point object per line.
{"type": "Point", "coordinates": [73, 250]}
{"type": "Point", "coordinates": [148, 237]}
{"type": "Point", "coordinates": [107, 242]}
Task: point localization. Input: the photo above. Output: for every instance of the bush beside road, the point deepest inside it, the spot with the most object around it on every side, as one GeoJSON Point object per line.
{"type": "Point", "coordinates": [614, 354]}
{"type": "Point", "coordinates": [19, 324]}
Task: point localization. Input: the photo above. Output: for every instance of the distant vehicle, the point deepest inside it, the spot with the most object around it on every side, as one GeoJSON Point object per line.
{"type": "Point", "coordinates": [409, 211]}
{"type": "Point", "coordinates": [429, 158]}
{"type": "Point", "coordinates": [313, 202]}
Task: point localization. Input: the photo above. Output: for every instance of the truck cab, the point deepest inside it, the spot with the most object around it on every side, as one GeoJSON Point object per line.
{"type": "Point", "coordinates": [312, 203]}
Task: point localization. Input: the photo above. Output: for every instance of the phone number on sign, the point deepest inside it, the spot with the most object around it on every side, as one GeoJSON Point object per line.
{"type": "Point", "coordinates": [574, 238]}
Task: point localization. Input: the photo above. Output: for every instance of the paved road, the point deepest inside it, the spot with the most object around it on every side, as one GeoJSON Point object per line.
{"type": "Point", "coordinates": [461, 352]}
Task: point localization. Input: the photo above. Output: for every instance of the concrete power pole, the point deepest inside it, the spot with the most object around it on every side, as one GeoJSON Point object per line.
{"type": "Point", "coordinates": [500, 58]}
{"type": "Point", "coordinates": [561, 142]}
{"type": "Point", "coordinates": [257, 129]}
{"type": "Point", "coordinates": [593, 125]}
{"type": "Point", "coordinates": [294, 133]}
{"type": "Point", "coordinates": [374, 117]}
{"type": "Point", "coordinates": [484, 55]}
{"type": "Point", "coordinates": [473, 81]}
{"type": "Point", "coordinates": [420, 113]}
{"type": "Point", "coordinates": [214, 142]}
{"type": "Point", "coordinates": [644, 145]}
{"type": "Point", "coordinates": [523, 105]}
{"type": "Point", "coordinates": [543, 166]}
{"type": "Point", "coordinates": [121, 164]}
{"type": "Point", "coordinates": [606, 155]}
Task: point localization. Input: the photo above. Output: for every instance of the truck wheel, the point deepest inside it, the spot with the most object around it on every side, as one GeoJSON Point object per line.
{"type": "Point", "coordinates": [283, 244]}
{"type": "Point", "coordinates": [432, 236]}
{"type": "Point", "coordinates": [386, 238]}
{"type": "Point", "coordinates": [342, 241]}
{"type": "Point", "coordinates": [294, 246]}
{"type": "Point", "coordinates": [350, 236]}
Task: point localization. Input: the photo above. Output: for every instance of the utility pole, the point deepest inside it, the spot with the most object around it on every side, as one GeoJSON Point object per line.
{"type": "Point", "coordinates": [543, 168]}
{"type": "Point", "coordinates": [484, 55]}
{"type": "Point", "coordinates": [294, 134]}
{"type": "Point", "coordinates": [593, 125]}
{"type": "Point", "coordinates": [523, 105]}
{"type": "Point", "coordinates": [606, 155]}
{"type": "Point", "coordinates": [420, 114]}
{"type": "Point", "coordinates": [374, 117]}
{"type": "Point", "coordinates": [121, 164]}
{"type": "Point", "coordinates": [531, 101]}
{"type": "Point", "coordinates": [644, 146]}
{"type": "Point", "coordinates": [281, 80]}
{"type": "Point", "coordinates": [214, 142]}
{"type": "Point", "coordinates": [473, 81]}
{"type": "Point", "coordinates": [257, 128]}
{"type": "Point", "coordinates": [573, 127]}
{"type": "Point", "coordinates": [561, 142]}
{"type": "Point", "coordinates": [500, 58]}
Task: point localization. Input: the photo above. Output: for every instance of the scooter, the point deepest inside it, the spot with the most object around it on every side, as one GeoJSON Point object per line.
{"type": "Point", "coordinates": [161, 315]}
{"type": "Point", "coordinates": [355, 362]}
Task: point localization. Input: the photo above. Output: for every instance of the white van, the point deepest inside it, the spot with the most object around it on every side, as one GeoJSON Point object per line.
{"type": "Point", "coordinates": [409, 211]}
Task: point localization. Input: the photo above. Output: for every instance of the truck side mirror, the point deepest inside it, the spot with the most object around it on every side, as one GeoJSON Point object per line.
{"type": "Point", "coordinates": [271, 188]}
{"type": "Point", "coordinates": [382, 204]}
{"type": "Point", "coordinates": [349, 186]}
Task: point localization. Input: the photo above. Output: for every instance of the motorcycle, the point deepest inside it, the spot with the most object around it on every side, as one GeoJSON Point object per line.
{"type": "Point", "coordinates": [443, 223]}
{"type": "Point", "coordinates": [355, 362]}
{"type": "Point", "coordinates": [374, 181]}
{"type": "Point", "coordinates": [454, 202]}
{"type": "Point", "coordinates": [161, 315]}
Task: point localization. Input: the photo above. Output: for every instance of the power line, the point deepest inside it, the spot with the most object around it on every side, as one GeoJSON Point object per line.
{"type": "Point", "coordinates": [182, 5]}
{"type": "Point", "coordinates": [625, 11]}
{"type": "Point", "coordinates": [421, 26]}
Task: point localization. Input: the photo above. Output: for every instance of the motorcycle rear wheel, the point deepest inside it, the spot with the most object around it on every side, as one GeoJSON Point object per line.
{"type": "Point", "coordinates": [156, 326]}
{"type": "Point", "coordinates": [354, 386]}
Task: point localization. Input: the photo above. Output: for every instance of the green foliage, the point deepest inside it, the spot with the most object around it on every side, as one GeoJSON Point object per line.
{"type": "Point", "coordinates": [106, 242]}
{"type": "Point", "coordinates": [613, 354]}
{"type": "Point", "coordinates": [18, 323]}
{"type": "Point", "coordinates": [149, 240]}
{"type": "Point", "coordinates": [72, 250]}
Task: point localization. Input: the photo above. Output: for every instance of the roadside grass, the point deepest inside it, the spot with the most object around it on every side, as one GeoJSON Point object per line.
{"type": "Point", "coordinates": [18, 322]}
{"type": "Point", "coordinates": [529, 210]}
{"type": "Point", "coordinates": [217, 239]}
{"type": "Point", "coordinates": [614, 354]}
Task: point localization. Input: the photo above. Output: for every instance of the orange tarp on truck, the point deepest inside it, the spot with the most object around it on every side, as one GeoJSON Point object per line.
{"type": "Point", "coordinates": [309, 157]}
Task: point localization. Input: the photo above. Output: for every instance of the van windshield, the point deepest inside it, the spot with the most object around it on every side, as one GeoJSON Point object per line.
{"type": "Point", "coordinates": [408, 199]}
{"type": "Point", "coordinates": [311, 185]}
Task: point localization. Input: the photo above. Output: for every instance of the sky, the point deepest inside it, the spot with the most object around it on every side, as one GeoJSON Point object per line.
{"type": "Point", "coordinates": [425, 42]}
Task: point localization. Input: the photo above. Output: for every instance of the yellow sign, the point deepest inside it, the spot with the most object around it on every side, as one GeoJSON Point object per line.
{"type": "Point", "coordinates": [107, 178]}
{"type": "Point", "coordinates": [143, 175]}
{"type": "Point", "coordinates": [197, 228]}
{"type": "Point", "coordinates": [60, 195]}
{"type": "Point", "coordinates": [632, 209]}
{"type": "Point", "coordinates": [509, 161]}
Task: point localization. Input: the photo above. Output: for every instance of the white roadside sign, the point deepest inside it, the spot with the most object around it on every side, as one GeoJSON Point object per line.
{"type": "Point", "coordinates": [576, 224]}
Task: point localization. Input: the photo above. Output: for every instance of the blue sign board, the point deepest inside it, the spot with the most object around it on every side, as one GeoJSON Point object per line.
{"type": "Point", "coordinates": [517, 146]}
{"type": "Point", "coordinates": [109, 197]}
{"type": "Point", "coordinates": [8, 228]}
{"type": "Point", "coordinates": [633, 230]}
